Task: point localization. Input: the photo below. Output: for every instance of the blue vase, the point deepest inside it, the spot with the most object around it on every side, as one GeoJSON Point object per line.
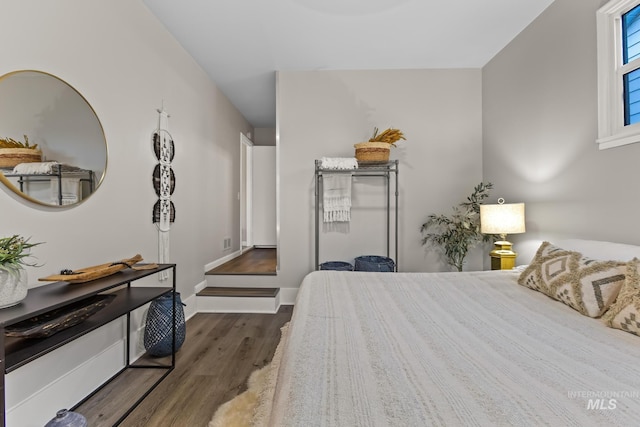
{"type": "Point", "coordinates": [157, 332]}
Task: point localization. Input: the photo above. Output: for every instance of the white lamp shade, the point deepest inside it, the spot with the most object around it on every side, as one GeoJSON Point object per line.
{"type": "Point", "coordinates": [506, 218]}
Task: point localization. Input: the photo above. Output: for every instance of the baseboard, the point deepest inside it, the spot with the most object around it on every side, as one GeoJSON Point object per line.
{"type": "Point", "coordinates": [265, 246]}
{"type": "Point", "coordinates": [220, 261]}
{"type": "Point", "coordinates": [288, 296]}
{"type": "Point", "coordinates": [191, 308]}
{"type": "Point", "coordinates": [200, 286]}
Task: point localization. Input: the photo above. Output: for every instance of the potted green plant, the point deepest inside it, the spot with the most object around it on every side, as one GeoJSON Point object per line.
{"type": "Point", "coordinates": [455, 234]}
{"type": "Point", "coordinates": [14, 252]}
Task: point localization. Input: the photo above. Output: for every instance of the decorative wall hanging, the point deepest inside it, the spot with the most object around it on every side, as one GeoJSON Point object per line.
{"type": "Point", "coordinates": [163, 175]}
{"type": "Point", "coordinates": [164, 183]}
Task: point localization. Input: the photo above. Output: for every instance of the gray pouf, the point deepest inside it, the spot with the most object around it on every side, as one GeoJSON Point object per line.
{"type": "Point", "coordinates": [374, 263]}
{"type": "Point", "coordinates": [336, 265]}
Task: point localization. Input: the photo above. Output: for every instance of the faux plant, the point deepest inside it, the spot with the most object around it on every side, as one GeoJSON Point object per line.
{"type": "Point", "coordinates": [12, 143]}
{"type": "Point", "coordinates": [14, 252]}
{"type": "Point", "coordinates": [455, 234]}
{"type": "Point", "coordinates": [389, 136]}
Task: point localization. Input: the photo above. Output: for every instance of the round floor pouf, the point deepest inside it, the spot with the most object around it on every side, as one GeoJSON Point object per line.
{"type": "Point", "coordinates": [157, 332]}
{"type": "Point", "coordinates": [336, 266]}
{"type": "Point", "coordinates": [374, 263]}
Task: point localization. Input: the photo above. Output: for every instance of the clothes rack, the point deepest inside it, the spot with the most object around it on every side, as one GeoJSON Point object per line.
{"type": "Point", "coordinates": [56, 174]}
{"type": "Point", "coordinates": [384, 170]}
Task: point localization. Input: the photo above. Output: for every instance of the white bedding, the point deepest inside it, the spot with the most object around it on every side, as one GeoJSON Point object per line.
{"type": "Point", "coordinates": [450, 349]}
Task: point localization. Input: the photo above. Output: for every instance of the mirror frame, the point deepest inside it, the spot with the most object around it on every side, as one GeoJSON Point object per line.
{"type": "Point", "coordinates": [8, 184]}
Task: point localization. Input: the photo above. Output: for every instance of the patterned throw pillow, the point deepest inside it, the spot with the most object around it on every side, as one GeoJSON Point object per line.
{"type": "Point", "coordinates": [549, 263]}
{"type": "Point", "coordinates": [625, 312]}
{"type": "Point", "coordinates": [583, 284]}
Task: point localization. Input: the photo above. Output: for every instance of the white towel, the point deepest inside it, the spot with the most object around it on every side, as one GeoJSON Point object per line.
{"type": "Point", "coordinates": [71, 190]}
{"type": "Point", "coordinates": [34, 168]}
{"type": "Point", "coordinates": [339, 163]}
{"type": "Point", "coordinates": [336, 202]}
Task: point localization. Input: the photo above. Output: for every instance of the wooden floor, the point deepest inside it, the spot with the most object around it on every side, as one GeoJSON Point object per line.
{"type": "Point", "coordinates": [260, 261]}
{"type": "Point", "coordinates": [219, 354]}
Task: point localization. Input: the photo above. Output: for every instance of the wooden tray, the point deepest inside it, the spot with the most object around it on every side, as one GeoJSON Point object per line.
{"type": "Point", "coordinates": [57, 320]}
{"type": "Point", "coordinates": [98, 271]}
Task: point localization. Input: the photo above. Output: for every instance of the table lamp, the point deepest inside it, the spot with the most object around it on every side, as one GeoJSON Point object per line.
{"type": "Point", "coordinates": [502, 219]}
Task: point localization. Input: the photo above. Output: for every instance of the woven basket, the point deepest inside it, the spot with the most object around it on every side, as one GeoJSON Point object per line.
{"type": "Point", "coordinates": [372, 152]}
{"type": "Point", "coordinates": [10, 157]}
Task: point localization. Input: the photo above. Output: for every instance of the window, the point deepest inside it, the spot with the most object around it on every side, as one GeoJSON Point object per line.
{"type": "Point", "coordinates": [630, 53]}
{"type": "Point", "coordinates": [618, 73]}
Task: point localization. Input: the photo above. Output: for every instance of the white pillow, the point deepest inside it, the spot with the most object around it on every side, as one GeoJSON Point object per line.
{"type": "Point", "coordinates": [601, 250]}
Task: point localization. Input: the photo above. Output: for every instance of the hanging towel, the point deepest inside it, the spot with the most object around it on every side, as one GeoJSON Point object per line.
{"type": "Point", "coordinates": [336, 200]}
{"type": "Point", "coordinates": [71, 190]}
{"type": "Point", "coordinates": [339, 163]}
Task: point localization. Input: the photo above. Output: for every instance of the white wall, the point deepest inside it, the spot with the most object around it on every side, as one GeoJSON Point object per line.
{"type": "Point", "coordinates": [540, 127]}
{"type": "Point", "coordinates": [264, 136]}
{"type": "Point", "coordinates": [264, 196]}
{"type": "Point", "coordinates": [123, 61]}
{"type": "Point", "coordinates": [324, 113]}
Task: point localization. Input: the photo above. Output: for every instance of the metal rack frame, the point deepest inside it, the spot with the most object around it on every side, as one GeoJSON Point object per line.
{"type": "Point", "coordinates": [24, 178]}
{"type": "Point", "coordinates": [384, 170]}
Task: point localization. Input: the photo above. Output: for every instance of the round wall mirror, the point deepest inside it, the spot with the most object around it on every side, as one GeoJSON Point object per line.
{"type": "Point", "coordinates": [52, 146]}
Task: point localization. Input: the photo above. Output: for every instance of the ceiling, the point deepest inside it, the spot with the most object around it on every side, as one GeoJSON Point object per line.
{"type": "Point", "coordinates": [241, 43]}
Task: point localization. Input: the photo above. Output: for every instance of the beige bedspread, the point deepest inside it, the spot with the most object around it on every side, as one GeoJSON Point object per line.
{"type": "Point", "coordinates": [449, 349]}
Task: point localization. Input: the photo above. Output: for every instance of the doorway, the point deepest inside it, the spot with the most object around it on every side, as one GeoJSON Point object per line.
{"type": "Point", "coordinates": [258, 225]}
{"type": "Point", "coordinates": [246, 193]}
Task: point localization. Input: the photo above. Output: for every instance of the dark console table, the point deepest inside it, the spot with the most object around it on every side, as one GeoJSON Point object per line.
{"type": "Point", "coordinates": [17, 352]}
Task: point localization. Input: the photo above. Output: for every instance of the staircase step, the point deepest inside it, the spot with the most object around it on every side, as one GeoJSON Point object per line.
{"type": "Point", "coordinates": [238, 300]}
{"type": "Point", "coordinates": [240, 273]}
{"type": "Point", "coordinates": [239, 281]}
{"type": "Point", "coordinates": [239, 292]}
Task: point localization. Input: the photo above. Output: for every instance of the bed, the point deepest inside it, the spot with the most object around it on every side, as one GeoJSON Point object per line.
{"type": "Point", "coordinates": [449, 349]}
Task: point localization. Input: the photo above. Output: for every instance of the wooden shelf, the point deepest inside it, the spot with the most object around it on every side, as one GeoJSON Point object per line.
{"type": "Point", "coordinates": [59, 294]}
{"type": "Point", "coordinates": [20, 351]}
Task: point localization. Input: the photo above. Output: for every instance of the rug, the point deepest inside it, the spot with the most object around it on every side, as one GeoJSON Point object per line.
{"type": "Point", "coordinates": [252, 407]}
